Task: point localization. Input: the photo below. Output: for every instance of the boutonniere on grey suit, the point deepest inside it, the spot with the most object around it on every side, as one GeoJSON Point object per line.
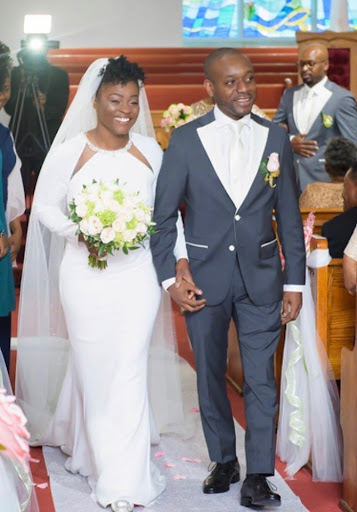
{"type": "Point", "coordinates": [270, 167]}
{"type": "Point", "coordinates": [327, 120]}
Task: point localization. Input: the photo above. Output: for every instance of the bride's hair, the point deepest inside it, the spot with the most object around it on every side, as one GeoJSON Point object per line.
{"type": "Point", "coordinates": [121, 71]}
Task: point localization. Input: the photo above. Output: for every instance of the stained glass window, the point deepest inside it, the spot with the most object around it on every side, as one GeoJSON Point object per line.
{"type": "Point", "coordinates": [234, 19]}
{"type": "Point", "coordinates": [276, 18]}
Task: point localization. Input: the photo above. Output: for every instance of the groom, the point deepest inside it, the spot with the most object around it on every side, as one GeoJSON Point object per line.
{"type": "Point", "coordinates": [219, 166]}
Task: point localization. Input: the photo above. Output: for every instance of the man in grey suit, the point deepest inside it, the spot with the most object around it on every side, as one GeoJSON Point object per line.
{"type": "Point", "coordinates": [234, 269]}
{"type": "Point", "coordinates": [315, 111]}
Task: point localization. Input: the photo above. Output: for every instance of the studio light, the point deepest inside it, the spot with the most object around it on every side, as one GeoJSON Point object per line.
{"type": "Point", "coordinates": [37, 27]}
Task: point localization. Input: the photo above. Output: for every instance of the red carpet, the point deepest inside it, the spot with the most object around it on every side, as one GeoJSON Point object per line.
{"type": "Point", "coordinates": [317, 497]}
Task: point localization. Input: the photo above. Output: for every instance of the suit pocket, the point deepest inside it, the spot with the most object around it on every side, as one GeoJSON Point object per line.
{"type": "Point", "coordinates": [269, 249]}
{"type": "Point", "coordinates": [196, 251]}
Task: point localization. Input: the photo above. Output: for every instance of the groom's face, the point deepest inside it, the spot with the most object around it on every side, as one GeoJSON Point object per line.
{"type": "Point", "coordinates": [232, 85]}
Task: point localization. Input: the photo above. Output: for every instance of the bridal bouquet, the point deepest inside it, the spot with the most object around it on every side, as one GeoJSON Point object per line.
{"type": "Point", "coordinates": [13, 433]}
{"type": "Point", "coordinates": [176, 115]}
{"type": "Point", "coordinates": [110, 217]}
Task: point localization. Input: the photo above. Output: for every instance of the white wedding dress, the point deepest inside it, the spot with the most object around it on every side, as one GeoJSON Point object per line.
{"type": "Point", "coordinates": [102, 415]}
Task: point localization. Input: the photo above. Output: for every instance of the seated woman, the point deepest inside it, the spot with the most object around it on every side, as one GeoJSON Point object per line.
{"type": "Point", "coordinates": [350, 264]}
{"type": "Point", "coordinates": [339, 156]}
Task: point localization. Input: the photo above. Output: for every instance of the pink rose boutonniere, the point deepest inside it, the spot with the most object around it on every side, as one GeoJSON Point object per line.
{"type": "Point", "coordinates": [13, 433]}
{"type": "Point", "coordinates": [270, 167]}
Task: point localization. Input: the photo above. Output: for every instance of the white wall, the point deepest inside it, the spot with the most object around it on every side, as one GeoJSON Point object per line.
{"type": "Point", "coordinates": [98, 23]}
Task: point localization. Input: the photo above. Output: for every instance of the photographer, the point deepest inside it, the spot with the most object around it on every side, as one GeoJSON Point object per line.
{"type": "Point", "coordinates": [46, 90]}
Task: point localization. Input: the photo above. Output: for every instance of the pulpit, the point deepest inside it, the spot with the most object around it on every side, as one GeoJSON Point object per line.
{"type": "Point", "coordinates": [342, 48]}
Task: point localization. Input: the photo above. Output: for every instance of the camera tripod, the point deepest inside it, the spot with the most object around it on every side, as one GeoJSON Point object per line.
{"type": "Point", "coordinates": [29, 89]}
{"type": "Point", "coordinates": [32, 140]}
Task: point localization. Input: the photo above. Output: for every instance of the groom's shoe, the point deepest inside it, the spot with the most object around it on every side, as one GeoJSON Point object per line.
{"type": "Point", "coordinates": [221, 476]}
{"type": "Point", "coordinates": [257, 491]}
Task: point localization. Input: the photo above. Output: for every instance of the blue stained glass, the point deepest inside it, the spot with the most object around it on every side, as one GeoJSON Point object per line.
{"type": "Point", "coordinates": [262, 18]}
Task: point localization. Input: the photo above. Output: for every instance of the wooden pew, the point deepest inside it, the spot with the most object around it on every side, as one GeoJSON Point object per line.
{"type": "Point", "coordinates": [322, 215]}
{"type": "Point", "coordinates": [348, 502]}
{"type": "Point", "coordinates": [335, 308]}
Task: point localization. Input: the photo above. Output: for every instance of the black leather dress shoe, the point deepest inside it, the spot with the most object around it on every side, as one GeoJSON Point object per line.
{"type": "Point", "coordinates": [257, 491]}
{"type": "Point", "coordinates": [221, 476]}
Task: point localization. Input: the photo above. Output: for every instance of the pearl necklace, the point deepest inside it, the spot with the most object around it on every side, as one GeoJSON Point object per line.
{"type": "Point", "coordinates": [112, 152]}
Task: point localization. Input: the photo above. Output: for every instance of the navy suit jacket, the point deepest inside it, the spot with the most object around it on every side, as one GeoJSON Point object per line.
{"type": "Point", "coordinates": [215, 232]}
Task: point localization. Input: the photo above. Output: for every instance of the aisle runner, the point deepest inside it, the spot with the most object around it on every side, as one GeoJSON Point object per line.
{"type": "Point", "coordinates": [184, 463]}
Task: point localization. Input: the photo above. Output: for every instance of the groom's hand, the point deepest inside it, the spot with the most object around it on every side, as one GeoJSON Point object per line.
{"type": "Point", "coordinates": [292, 302]}
{"type": "Point", "coordinates": [184, 290]}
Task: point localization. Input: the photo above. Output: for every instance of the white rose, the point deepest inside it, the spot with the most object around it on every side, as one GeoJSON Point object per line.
{"type": "Point", "coordinates": [126, 215]}
{"type": "Point", "coordinates": [130, 202]}
{"type": "Point", "coordinates": [80, 199]}
{"type": "Point", "coordinates": [139, 214]}
{"type": "Point", "coordinates": [107, 235]}
{"type": "Point", "coordinates": [99, 206]}
{"type": "Point", "coordinates": [147, 218]}
{"type": "Point", "coordinates": [141, 228]}
{"type": "Point", "coordinates": [119, 225]}
{"type": "Point", "coordinates": [106, 195]}
{"type": "Point", "coordinates": [94, 225]}
{"type": "Point", "coordinates": [83, 226]}
{"type": "Point", "coordinates": [111, 204]}
{"type": "Point", "coordinates": [81, 210]}
{"type": "Point", "coordinates": [129, 235]}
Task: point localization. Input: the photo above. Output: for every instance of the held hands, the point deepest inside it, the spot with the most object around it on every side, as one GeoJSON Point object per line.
{"type": "Point", "coordinates": [302, 146]}
{"type": "Point", "coordinates": [292, 302]}
{"type": "Point", "coordinates": [184, 291]}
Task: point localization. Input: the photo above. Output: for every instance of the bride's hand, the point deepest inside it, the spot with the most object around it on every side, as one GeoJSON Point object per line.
{"type": "Point", "coordinates": [92, 250]}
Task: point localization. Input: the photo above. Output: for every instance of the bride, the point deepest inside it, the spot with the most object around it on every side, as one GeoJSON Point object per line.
{"type": "Point", "coordinates": [91, 399]}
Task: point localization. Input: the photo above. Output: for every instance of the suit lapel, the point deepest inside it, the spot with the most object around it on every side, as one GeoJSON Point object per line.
{"type": "Point", "coordinates": [208, 137]}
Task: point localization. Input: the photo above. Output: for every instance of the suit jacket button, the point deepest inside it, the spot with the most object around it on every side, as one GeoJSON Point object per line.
{"type": "Point", "coordinates": [231, 248]}
{"type": "Point", "coordinates": [237, 217]}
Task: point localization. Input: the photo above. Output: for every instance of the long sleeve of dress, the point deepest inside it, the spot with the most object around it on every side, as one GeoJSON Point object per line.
{"type": "Point", "coordinates": [50, 202]}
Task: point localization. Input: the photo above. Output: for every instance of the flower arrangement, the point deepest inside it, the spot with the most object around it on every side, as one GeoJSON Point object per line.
{"type": "Point", "coordinates": [327, 120]}
{"type": "Point", "coordinates": [109, 218]}
{"type": "Point", "coordinates": [270, 167]}
{"type": "Point", "coordinates": [13, 433]}
{"type": "Point", "coordinates": [176, 115]}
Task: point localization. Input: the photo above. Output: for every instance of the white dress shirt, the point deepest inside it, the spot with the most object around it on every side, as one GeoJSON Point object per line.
{"type": "Point", "coordinates": [305, 115]}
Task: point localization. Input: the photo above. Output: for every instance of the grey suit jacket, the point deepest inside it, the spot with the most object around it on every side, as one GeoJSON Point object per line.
{"type": "Point", "coordinates": [342, 107]}
{"type": "Point", "coordinates": [216, 234]}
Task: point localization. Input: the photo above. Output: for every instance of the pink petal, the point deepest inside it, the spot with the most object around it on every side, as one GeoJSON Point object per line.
{"type": "Point", "coordinates": [36, 461]}
{"type": "Point", "coordinates": [42, 486]}
{"type": "Point", "coordinates": [169, 465]}
{"type": "Point", "coordinates": [186, 459]}
{"type": "Point", "coordinates": [194, 409]}
{"type": "Point", "coordinates": [179, 477]}
{"type": "Point", "coordinates": [159, 454]}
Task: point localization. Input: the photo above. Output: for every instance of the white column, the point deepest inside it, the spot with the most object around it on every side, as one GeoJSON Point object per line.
{"type": "Point", "coordinates": [339, 16]}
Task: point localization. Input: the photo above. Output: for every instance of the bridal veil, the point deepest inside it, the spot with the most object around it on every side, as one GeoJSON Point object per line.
{"type": "Point", "coordinates": [42, 336]}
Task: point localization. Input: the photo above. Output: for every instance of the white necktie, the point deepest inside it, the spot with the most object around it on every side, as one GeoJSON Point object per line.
{"type": "Point", "coordinates": [237, 163]}
{"type": "Point", "coordinates": [306, 107]}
